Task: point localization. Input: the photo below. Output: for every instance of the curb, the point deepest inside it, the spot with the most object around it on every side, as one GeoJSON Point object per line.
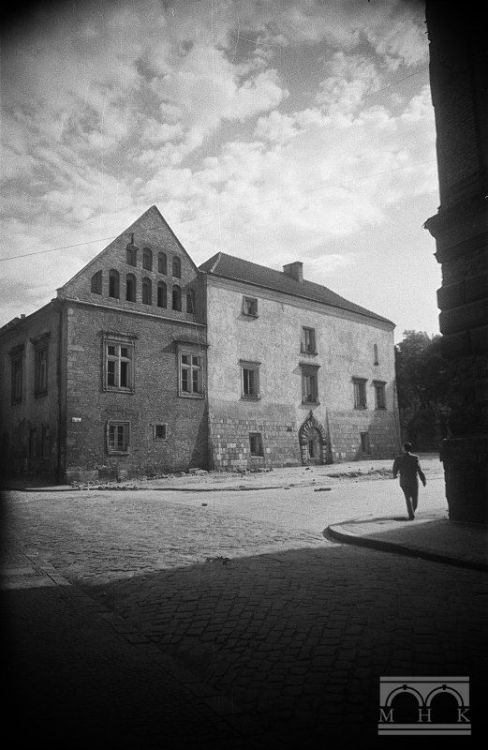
{"type": "Point", "coordinates": [397, 548]}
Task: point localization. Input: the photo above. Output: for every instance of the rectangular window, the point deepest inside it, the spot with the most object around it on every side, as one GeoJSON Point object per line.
{"type": "Point", "coordinates": [365, 447]}
{"type": "Point", "coordinates": [40, 370]}
{"type": "Point", "coordinates": [250, 306]}
{"type": "Point", "coordinates": [256, 444]}
{"type": "Point", "coordinates": [375, 354]}
{"type": "Point", "coordinates": [379, 389]}
{"type": "Point", "coordinates": [160, 431]}
{"type": "Point", "coordinates": [310, 387]}
{"type": "Point", "coordinates": [190, 374]}
{"type": "Point", "coordinates": [359, 385]}
{"type": "Point", "coordinates": [45, 441]}
{"type": "Point", "coordinates": [250, 380]}
{"type": "Point", "coordinates": [308, 344]}
{"type": "Point", "coordinates": [118, 437]}
{"type": "Point", "coordinates": [16, 364]}
{"type": "Point", "coordinates": [119, 366]}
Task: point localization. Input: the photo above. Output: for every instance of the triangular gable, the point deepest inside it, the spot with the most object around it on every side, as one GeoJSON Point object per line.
{"type": "Point", "coordinates": [150, 229]}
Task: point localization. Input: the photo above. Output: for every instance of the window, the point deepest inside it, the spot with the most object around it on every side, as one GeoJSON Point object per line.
{"type": "Point", "coordinates": [33, 443]}
{"type": "Point", "coordinates": [250, 306]}
{"type": "Point", "coordinates": [177, 267]}
{"type": "Point", "coordinates": [131, 255]}
{"type": "Point", "coordinates": [118, 437]}
{"type": "Point", "coordinates": [190, 374]}
{"type": "Point", "coordinates": [160, 431]}
{"type": "Point", "coordinates": [96, 283]}
{"type": "Point", "coordinates": [16, 375]}
{"type": "Point", "coordinates": [119, 366]}
{"type": "Point", "coordinates": [256, 444]}
{"type": "Point", "coordinates": [147, 259]}
{"type": "Point", "coordinates": [359, 385]}
{"type": "Point", "coordinates": [146, 292]}
{"type": "Point", "coordinates": [190, 301]}
{"type": "Point", "coordinates": [365, 447]}
{"type": "Point", "coordinates": [379, 390]}
{"type": "Point", "coordinates": [310, 388]}
{"type": "Point", "coordinates": [130, 288]}
{"type": "Point", "coordinates": [176, 297]}
{"type": "Point", "coordinates": [250, 380]}
{"type": "Point", "coordinates": [308, 345]}
{"type": "Point", "coordinates": [162, 294]}
{"type": "Point", "coordinates": [375, 354]}
{"type": "Point", "coordinates": [162, 263]}
{"type": "Point", "coordinates": [40, 369]}
{"type": "Point", "coordinates": [113, 284]}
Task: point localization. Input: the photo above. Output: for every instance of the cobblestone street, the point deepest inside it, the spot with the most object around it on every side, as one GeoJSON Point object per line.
{"type": "Point", "coordinates": [242, 590]}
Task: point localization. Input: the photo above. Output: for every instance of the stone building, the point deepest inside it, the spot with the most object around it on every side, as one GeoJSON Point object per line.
{"type": "Point", "coordinates": [108, 379]}
{"type": "Point", "coordinates": [145, 364]}
{"type": "Point", "coordinates": [459, 86]}
{"type": "Point", "coordinates": [296, 373]}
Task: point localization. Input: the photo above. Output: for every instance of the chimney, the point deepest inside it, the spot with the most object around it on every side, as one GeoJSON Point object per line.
{"type": "Point", "coordinates": [295, 270]}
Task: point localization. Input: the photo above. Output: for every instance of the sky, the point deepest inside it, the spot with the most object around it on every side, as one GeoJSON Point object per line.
{"type": "Point", "coordinates": [273, 130]}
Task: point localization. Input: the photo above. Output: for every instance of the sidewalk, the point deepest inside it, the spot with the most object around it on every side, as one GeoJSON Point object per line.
{"type": "Point", "coordinates": [430, 536]}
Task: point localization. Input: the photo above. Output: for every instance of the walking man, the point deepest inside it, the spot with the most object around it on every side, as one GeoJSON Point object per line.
{"type": "Point", "coordinates": [407, 465]}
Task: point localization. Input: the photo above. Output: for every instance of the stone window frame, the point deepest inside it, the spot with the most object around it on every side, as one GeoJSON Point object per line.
{"type": "Point", "coordinates": [310, 383]}
{"type": "Point", "coordinates": [250, 307]}
{"type": "Point", "coordinates": [131, 253]}
{"type": "Point", "coordinates": [365, 442]}
{"type": "Point", "coordinates": [162, 295]}
{"type": "Point", "coordinates": [256, 447]}
{"type": "Point", "coordinates": [359, 393]}
{"type": "Point", "coordinates": [376, 360]}
{"type": "Point", "coordinates": [190, 301]}
{"type": "Point", "coordinates": [191, 375]}
{"type": "Point", "coordinates": [41, 365]}
{"type": "Point", "coordinates": [380, 394]}
{"type": "Point", "coordinates": [176, 298]}
{"type": "Point", "coordinates": [17, 374]}
{"type": "Point", "coordinates": [250, 380]}
{"type": "Point", "coordinates": [119, 341]}
{"type": "Point", "coordinates": [124, 430]}
{"type": "Point", "coordinates": [308, 342]}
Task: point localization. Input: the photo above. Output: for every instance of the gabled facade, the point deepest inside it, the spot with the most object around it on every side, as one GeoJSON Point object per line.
{"type": "Point", "coordinates": [303, 375]}
{"type": "Point", "coordinates": [125, 343]}
{"type": "Point", "coordinates": [145, 364]}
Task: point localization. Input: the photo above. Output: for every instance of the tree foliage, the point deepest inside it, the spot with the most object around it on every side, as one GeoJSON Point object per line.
{"type": "Point", "coordinates": [423, 384]}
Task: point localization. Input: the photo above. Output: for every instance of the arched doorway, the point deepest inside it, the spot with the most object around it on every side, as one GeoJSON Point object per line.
{"type": "Point", "coordinates": [313, 442]}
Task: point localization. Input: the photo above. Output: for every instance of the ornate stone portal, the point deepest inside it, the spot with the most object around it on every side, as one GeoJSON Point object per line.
{"type": "Point", "coordinates": [313, 441]}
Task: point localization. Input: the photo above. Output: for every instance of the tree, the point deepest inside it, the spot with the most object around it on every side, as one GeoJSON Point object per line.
{"type": "Point", "coordinates": [423, 386]}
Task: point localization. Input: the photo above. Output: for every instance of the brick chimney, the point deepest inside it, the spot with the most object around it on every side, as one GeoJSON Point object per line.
{"type": "Point", "coordinates": [295, 270]}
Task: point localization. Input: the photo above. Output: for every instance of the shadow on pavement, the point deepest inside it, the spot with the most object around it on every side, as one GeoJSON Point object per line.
{"type": "Point", "coordinates": [293, 642]}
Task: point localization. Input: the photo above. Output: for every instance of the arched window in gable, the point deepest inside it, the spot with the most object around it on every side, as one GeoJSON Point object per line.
{"type": "Point", "coordinates": [162, 295]}
{"type": "Point", "coordinates": [130, 288]}
{"type": "Point", "coordinates": [176, 297]}
{"type": "Point", "coordinates": [146, 292]}
{"type": "Point", "coordinates": [131, 252]}
{"type": "Point", "coordinates": [147, 259]}
{"type": "Point", "coordinates": [96, 283]}
{"type": "Point", "coordinates": [162, 263]}
{"type": "Point", "coordinates": [190, 301]}
{"type": "Point", "coordinates": [176, 267]}
{"type": "Point", "coordinates": [113, 284]}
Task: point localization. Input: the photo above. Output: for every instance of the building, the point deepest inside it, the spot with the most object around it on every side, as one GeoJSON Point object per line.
{"type": "Point", "coordinates": [296, 373]}
{"type": "Point", "coordinates": [145, 364]}
{"type": "Point", "coordinates": [108, 379]}
{"type": "Point", "coordinates": [459, 86]}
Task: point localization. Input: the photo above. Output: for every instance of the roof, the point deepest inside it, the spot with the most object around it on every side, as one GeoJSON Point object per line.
{"type": "Point", "coordinates": [237, 269]}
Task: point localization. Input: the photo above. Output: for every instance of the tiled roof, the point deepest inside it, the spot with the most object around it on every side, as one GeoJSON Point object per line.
{"type": "Point", "coordinates": [237, 269]}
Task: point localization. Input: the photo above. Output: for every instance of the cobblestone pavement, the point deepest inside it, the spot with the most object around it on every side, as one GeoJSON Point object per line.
{"type": "Point", "coordinates": [293, 630]}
